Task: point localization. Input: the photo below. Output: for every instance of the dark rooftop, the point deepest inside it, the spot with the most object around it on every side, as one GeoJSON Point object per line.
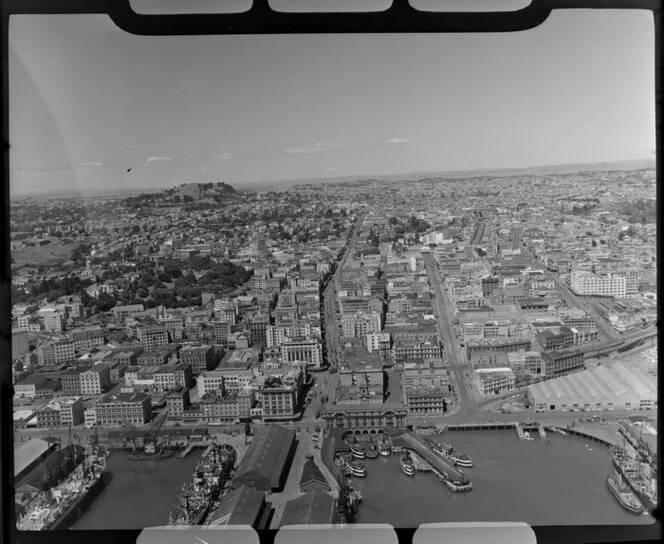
{"type": "Point", "coordinates": [312, 508]}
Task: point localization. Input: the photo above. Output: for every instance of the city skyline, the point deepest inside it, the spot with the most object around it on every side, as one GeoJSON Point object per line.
{"type": "Point", "coordinates": [98, 107]}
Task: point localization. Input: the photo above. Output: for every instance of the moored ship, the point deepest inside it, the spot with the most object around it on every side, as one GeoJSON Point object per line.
{"type": "Point", "coordinates": [60, 506]}
{"type": "Point", "coordinates": [358, 450]}
{"type": "Point", "coordinates": [356, 468]}
{"type": "Point", "coordinates": [447, 452]}
{"type": "Point", "coordinates": [407, 465]}
{"type": "Point", "coordinates": [623, 494]}
{"type": "Point", "coordinates": [638, 476]}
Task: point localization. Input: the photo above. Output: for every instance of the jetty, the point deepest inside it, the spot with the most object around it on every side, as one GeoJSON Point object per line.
{"type": "Point", "coordinates": [411, 442]}
{"type": "Point", "coordinates": [542, 432]}
{"type": "Point", "coordinates": [519, 431]}
{"type": "Point", "coordinates": [420, 464]}
{"type": "Point", "coordinates": [186, 451]}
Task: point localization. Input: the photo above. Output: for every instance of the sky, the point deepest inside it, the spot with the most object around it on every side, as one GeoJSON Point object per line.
{"type": "Point", "coordinates": [89, 101]}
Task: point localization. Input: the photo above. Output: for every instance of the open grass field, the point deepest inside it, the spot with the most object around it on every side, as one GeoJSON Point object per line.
{"type": "Point", "coordinates": [54, 252]}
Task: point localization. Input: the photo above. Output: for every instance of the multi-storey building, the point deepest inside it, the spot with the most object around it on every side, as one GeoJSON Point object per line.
{"type": "Point", "coordinates": [173, 376]}
{"type": "Point", "coordinates": [308, 351]}
{"type": "Point", "coordinates": [61, 412]}
{"type": "Point", "coordinates": [222, 331]}
{"type": "Point", "coordinates": [177, 401]}
{"type": "Point", "coordinates": [356, 325]}
{"type": "Point", "coordinates": [493, 381]}
{"type": "Point", "coordinates": [403, 350]}
{"type": "Point", "coordinates": [587, 283]}
{"type": "Point", "coordinates": [201, 358]}
{"type": "Point", "coordinates": [71, 382]}
{"type": "Point", "coordinates": [27, 388]}
{"type": "Point", "coordinates": [122, 312]}
{"type": "Point", "coordinates": [426, 400]}
{"type": "Point", "coordinates": [230, 407]}
{"type": "Point", "coordinates": [152, 336]}
{"type": "Point", "coordinates": [117, 409]}
{"type": "Point", "coordinates": [96, 380]}
{"type": "Point", "coordinates": [53, 321]}
{"type": "Point", "coordinates": [560, 363]}
{"type": "Point", "coordinates": [56, 352]}
{"type": "Point", "coordinates": [87, 337]}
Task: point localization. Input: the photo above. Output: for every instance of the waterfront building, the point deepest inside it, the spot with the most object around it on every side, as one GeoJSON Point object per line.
{"type": "Point", "coordinates": [117, 409]}
{"type": "Point", "coordinates": [95, 380]}
{"type": "Point", "coordinates": [266, 463]}
{"type": "Point", "coordinates": [308, 351]}
{"type": "Point", "coordinates": [559, 363]}
{"type": "Point", "coordinates": [201, 358]}
{"type": "Point", "coordinates": [365, 416]}
{"type": "Point", "coordinates": [61, 412]}
{"type": "Point", "coordinates": [177, 401]}
{"type": "Point", "coordinates": [241, 506]}
{"type": "Point", "coordinates": [280, 397]}
{"type": "Point", "coordinates": [90, 417]}
{"type": "Point", "coordinates": [312, 478]}
{"type": "Point", "coordinates": [87, 337]}
{"type": "Point", "coordinates": [607, 387]}
{"type": "Point", "coordinates": [313, 508]}
{"type": "Point", "coordinates": [30, 455]}
{"type": "Point", "coordinates": [229, 407]}
{"type": "Point", "coordinates": [494, 381]}
{"type": "Point", "coordinates": [530, 361]}
{"type": "Point", "coordinates": [426, 399]}
{"type": "Point", "coordinates": [583, 282]}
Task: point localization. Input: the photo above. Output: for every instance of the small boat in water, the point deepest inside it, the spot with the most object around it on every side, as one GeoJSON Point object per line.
{"type": "Point", "coordinates": [623, 494]}
{"type": "Point", "coordinates": [407, 464]}
{"type": "Point", "coordinates": [356, 468]}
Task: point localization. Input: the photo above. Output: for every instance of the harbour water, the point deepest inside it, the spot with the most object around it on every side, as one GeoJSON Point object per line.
{"type": "Point", "coordinates": [563, 483]}
{"type": "Point", "coordinates": [140, 494]}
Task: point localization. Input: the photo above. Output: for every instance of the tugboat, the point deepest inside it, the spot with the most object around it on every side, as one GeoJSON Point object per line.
{"type": "Point", "coordinates": [623, 494]}
{"type": "Point", "coordinates": [358, 450]}
{"type": "Point", "coordinates": [372, 450]}
{"type": "Point", "coordinates": [384, 447]}
{"type": "Point", "coordinates": [407, 464]}
{"type": "Point", "coordinates": [356, 468]}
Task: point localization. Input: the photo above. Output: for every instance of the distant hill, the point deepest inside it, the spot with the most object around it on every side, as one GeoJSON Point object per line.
{"type": "Point", "coordinates": [187, 194]}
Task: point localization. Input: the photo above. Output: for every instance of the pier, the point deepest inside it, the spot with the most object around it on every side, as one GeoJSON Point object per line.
{"type": "Point", "coordinates": [412, 443]}
{"type": "Point", "coordinates": [519, 431]}
{"type": "Point", "coordinates": [420, 464]}
{"type": "Point", "coordinates": [186, 451]}
{"type": "Point", "coordinates": [542, 432]}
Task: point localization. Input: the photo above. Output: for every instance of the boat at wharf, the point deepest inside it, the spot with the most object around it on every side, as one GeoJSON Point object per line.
{"type": "Point", "coordinates": [447, 452]}
{"type": "Point", "coordinates": [407, 465]}
{"type": "Point", "coordinates": [358, 450]}
{"type": "Point", "coordinates": [62, 505]}
{"type": "Point", "coordinates": [384, 446]}
{"type": "Point", "coordinates": [356, 468]}
{"type": "Point", "coordinates": [623, 494]}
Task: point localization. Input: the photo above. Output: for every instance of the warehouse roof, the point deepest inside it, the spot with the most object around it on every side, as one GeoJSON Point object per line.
{"type": "Point", "coordinates": [266, 455]}
{"type": "Point", "coordinates": [604, 384]}
{"type": "Point", "coordinates": [28, 453]}
{"type": "Point", "coordinates": [311, 473]}
{"type": "Point", "coordinates": [241, 506]}
{"type": "Point", "coordinates": [312, 508]}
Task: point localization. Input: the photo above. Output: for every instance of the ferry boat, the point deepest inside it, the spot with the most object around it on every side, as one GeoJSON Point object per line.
{"type": "Point", "coordinates": [459, 487]}
{"type": "Point", "coordinates": [384, 447]}
{"type": "Point", "coordinates": [147, 456]}
{"type": "Point", "coordinates": [358, 450]}
{"type": "Point", "coordinates": [407, 464]}
{"type": "Point", "coordinates": [527, 436]}
{"type": "Point", "coordinates": [447, 452]}
{"type": "Point", "coordinates": [372, 450]}
{"type": "Point", "coordinates": [356, 468]}
{"type": "Point", "coordinates": [623, 494]}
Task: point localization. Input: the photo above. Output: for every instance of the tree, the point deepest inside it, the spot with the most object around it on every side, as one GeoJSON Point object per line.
{"type": "Point", "coordinates": [188, 198]}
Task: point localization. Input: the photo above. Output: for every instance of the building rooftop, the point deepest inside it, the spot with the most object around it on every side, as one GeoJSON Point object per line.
{"type": "Point", "coordinates": [241, 506]}
{"type": "Point", "coordinates": [312, 508]}
{"type": "Point", "coordinates": [28, 453]}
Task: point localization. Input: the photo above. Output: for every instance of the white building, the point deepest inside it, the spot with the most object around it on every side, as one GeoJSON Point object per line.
{"type": "Point", "coordinates": [494, 381]}
{"type": "Point", "coordinates": [587, 283]}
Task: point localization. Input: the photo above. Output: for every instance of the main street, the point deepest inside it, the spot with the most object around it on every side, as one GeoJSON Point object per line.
{"type": "Point", "coordinates": [454, 356]}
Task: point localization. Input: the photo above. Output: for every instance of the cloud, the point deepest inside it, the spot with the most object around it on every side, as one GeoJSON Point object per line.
{"type": "Point", "coordinates": [395, 141]}
{"type": "Point", "coordinates": [92, 163]}
{"type": "Point", "coordinates": [157, 159]}
{"type": "Point", "coordinates": [331, 169]}
{"type": "Point", "coordinates": [223, 156]}
{"type": "Point", "coordinates": [313, 148]}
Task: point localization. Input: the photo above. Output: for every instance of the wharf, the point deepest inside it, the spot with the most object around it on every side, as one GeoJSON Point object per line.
{"type": "Point", "coordinates": [519, 431]}
{"type": "Point", "coordinates": [411, 442]}
{"type": "Point", "coordinates": [542, 432]}
{"type": "Point", "coordinates": [420, 464]}
{"type": "Point", "coordinates": [186, 451]}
